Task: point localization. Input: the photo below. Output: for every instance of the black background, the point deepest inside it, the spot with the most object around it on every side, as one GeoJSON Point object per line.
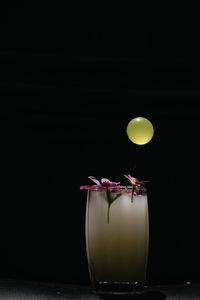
{"type": "Point", "coordinates": [71, 80]}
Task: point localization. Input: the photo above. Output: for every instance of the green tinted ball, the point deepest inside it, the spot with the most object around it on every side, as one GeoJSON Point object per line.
{"type": "Point", "coordinates": [140, 130]}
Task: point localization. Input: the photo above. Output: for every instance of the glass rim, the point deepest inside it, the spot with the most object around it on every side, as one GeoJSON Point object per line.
{"type": "Point", "coordinates": [122, 187]}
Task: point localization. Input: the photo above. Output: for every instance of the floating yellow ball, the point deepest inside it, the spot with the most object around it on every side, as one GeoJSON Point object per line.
{"type": "Point", "coordinates": [140, 130]}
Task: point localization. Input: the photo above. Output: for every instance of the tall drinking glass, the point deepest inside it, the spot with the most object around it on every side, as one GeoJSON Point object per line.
{"type": "Point", "coordinates": [117, 247]}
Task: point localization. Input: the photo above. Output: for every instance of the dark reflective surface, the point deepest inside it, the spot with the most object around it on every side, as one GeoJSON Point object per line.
{"type": "Point", "coordinates": [18, 290]}
{"type": "Point", "coordinates": [153, 295]}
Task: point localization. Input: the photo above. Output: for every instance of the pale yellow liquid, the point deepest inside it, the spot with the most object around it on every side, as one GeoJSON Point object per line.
{"type": "Point", "coordinates": [117, 252]}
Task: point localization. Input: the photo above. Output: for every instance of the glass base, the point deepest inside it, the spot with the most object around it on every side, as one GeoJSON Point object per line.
{"type": "Point", "coordinates": [118, 288]}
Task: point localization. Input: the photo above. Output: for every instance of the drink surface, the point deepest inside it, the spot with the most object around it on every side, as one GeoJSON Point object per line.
{"type": "Point", "coordinates": [117, 252]}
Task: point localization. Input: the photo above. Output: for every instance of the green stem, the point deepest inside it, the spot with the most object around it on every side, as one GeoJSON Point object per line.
{"type": "Point", "coordinates": [111, 199]}
{"type": "Point", "coordinates": [108, 214]}
{"type": "Point", "coordinates": [132, 196]}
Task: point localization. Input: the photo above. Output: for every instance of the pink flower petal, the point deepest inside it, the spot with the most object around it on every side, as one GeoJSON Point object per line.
{"type": "Point", "coordinates": [107, 182]}
{"type": "Point", "coordinates": [134, 181]}
{"type": "Point", "coordinates": [85, 187]}
{"type": "Point", "coordinates": [115, 189]}
{"type": "Point", "coordinates": [129, 191]}
{"type": "Point", "coordinates": [94, 179]}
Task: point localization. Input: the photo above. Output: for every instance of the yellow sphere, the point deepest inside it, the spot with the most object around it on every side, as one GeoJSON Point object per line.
{"type": "Point", "coordinates": [140, 130]}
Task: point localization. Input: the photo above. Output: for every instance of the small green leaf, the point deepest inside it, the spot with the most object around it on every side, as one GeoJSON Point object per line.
{"type": "Point", "coordinates": [121, 193]}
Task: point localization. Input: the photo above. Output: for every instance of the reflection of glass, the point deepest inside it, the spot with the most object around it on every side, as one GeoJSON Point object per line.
{"type": "Point", "coordinates": [117, 252]}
